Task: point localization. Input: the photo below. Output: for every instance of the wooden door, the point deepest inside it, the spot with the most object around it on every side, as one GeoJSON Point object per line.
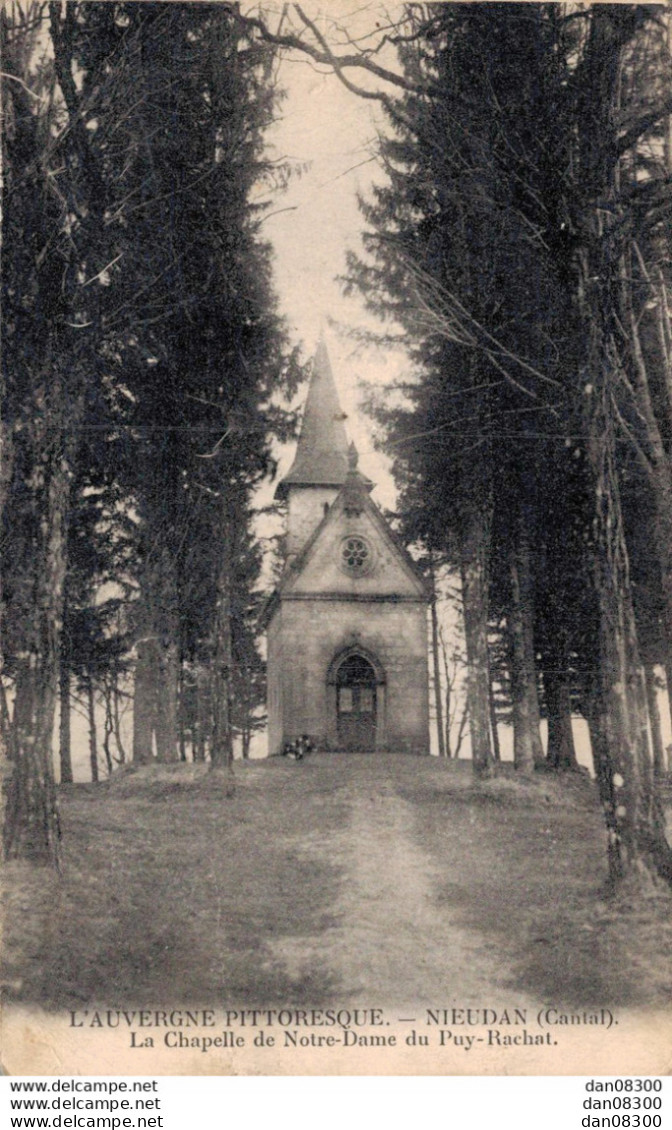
{"type": "Point", "coordinates": [356, 705]}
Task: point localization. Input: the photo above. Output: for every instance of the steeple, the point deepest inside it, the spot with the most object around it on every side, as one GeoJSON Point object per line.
{"type": "Point", "coordinates": [322, 451]}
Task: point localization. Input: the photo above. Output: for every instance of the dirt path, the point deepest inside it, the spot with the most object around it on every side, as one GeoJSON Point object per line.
{"type": "Point", "coordinates": [340, 883]}
{"type": "Point", "coordinates": [342, 880]}
{"type": "Point", "coordinates": [394, 940]}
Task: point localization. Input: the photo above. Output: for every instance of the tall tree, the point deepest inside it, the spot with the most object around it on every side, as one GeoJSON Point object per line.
{"type": "Point", "coordinates": [455, 253]}
{"type": "Point", "coordinates": [624, 761]}
{"type": "Point", "coordinates": [176, 100]}
{"type": "Point", "coordinates": [137, 295]}
{"type": "Point", "coordinates": [503, 243]}
{"type": "Point", "coordinates": [46, 365]}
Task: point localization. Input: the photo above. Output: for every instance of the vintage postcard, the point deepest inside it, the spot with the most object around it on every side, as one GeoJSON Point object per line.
{"type": "Point", "coordinates": [337, 514]}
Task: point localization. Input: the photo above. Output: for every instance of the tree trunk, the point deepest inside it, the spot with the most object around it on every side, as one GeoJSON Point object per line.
{"type": "Point", "coordinates": [201, 715]}
{"type": "Point", "coordinates": [634, 815]}
{"type": "Point", "coordinates": [460, 731]}
{"type": "Point", "coordinates": [156, 671]}
{"type": "Point", "coordinates": [65, 754]}
{"type": "Point", "coordinates": [44, 431]}
{"type": "Point", "coordinates": [474, 549]}
{"type": "Point", "coordinates": [144, 704]}
{"type": "Point", "coordinates": [437, 668]}
{"type": "Point", "coordinates": [448, 717]}
{"type": "Point", "coordinates": [93, 740]}
{"type": "Point", "coordinates": [166, 700]}
{"type": "Point", "coordinates": [163, 609]}
{"type": "Point", "coordinates": [651, 685]}
{"type": "Point", "coordinates": [668, 681]}
{"type": "Point", "coordinates": [447, 723]}
{"type": "Point", "coordinates": [664, 532]}
{"type": "Point", "coordinates": [116, 713]}
{"type": "Point", "coordinates": [32, 825]}
{"type": "Point", "coordinates": [246, 735]}
{"type": "Point", "coordinates": [561, 752]}
{"type": "Point", "coordinates": [181, 714]}
{"type": "Point", "coordinates": [654, 409]}
{"type": "Point", "coordinates": [221, 750]}
{"type": "Point", "coordinates": [496, 749]}
{"type": "Point", "coordinates": [527, 747]}
{"type": "Point", "coordinates": [108, 727]}
{"type": "Point", "coordinates": [603, 764]}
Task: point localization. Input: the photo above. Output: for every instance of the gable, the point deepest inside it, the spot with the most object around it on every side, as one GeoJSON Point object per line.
{"type": "Point", "coordinates": [354, 554]}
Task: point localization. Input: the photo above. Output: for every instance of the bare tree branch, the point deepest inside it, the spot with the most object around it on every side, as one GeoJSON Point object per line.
{"type": "Point", "coordinates": [323, 54]}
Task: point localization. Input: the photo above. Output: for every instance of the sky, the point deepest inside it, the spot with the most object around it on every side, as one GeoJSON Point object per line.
{"type": "Point", "coordinates": [312, 226]}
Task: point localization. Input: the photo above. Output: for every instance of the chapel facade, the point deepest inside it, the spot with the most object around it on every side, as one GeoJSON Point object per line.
{"type": "Point", "coordinates": [347, 624]}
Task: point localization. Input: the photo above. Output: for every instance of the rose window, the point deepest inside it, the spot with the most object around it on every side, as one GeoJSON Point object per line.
{"type": "Point", "coordinates": [355, 555]}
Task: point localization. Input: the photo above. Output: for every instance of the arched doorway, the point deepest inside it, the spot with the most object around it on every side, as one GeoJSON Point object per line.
{"type": "Point", "coordinates": [356, 704]}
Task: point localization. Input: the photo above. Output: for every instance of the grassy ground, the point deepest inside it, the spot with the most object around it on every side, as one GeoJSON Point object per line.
{"type": "Point", "coordinates": [319, 880]}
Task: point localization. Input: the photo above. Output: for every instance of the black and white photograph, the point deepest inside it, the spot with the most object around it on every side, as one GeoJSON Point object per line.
{"type": "Point", "coordinates": [336, 546]}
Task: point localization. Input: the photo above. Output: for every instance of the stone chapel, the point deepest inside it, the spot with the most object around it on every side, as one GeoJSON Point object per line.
{"type": "Point", "coordinates": [347, 624]}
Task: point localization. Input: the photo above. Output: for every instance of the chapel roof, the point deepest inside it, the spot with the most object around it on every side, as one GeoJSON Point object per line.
{"type": "Point", "coordinates": [322, 451]}
{"type": "Point", "coordinates": [352, 500]}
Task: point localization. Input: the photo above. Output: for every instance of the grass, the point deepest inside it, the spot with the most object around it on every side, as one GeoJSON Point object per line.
{"type": "Point", "coordinates": [317, 880]}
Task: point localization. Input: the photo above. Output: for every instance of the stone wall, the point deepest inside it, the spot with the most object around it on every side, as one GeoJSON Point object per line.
{"type": "Point", "coordinates": [274, 668]}
{"type": "Point", "coordinates": [305, 511]}
{"type": "Point", "coordinates": [322, 572]}
{"type": "Point", "coordinates": [304, 637]}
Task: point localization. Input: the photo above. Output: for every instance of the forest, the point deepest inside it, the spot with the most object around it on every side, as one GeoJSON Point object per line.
{"type": "Point", "coordinates": [516, 245]}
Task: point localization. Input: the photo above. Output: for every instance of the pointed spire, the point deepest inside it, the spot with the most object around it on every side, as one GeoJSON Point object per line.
{"type": "Point", "coordinates": [322, 451]}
